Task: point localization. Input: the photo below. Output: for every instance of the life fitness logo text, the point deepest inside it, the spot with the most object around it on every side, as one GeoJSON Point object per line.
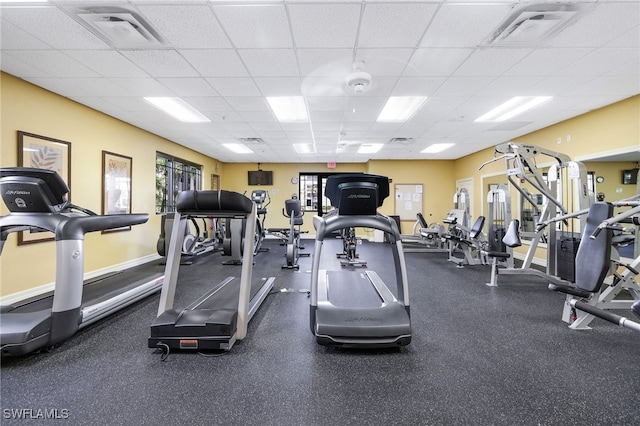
{"type": "Point", "coordinates": [359, 196]}
{"type": "Point", "coordinates": [19, 201]}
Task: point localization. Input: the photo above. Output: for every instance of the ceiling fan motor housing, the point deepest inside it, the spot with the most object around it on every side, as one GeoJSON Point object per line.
{"type": "Point", "coordinates": [359, 81]}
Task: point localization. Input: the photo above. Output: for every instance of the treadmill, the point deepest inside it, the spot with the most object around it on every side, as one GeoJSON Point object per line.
{"type": "Point", "coordinates": [351, 308]}
{"type": "Point", "coordinates": [219, 318]}
{"type": "Point", "coordinates": [36, 200]}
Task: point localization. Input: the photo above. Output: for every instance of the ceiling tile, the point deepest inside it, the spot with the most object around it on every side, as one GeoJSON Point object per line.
{"type": "Point", "coordinates": [186, 26]}
{"type": "Point", "coordinates": [556, 85]}
{"type": "Point", "coordinates": [53, 27]}
{"type": "Point", "coordinates": [95, 87]}
{"type": "Point", "coordinates": [107, 63]}
{"type": "Point", "coordinates": [411, 20]}
{"type": "Point", "coordinates": [234, 86]}
{"type": "Point", "coordinates": [629, 39]}
{"type": "Point", "coordinates": [270, 62]}
{"type": "Point", "coordinates": [126, 103]}
{"type": "Point", "coordinates": [436, 61]}
{"type": "Point", "coordinates": [601, 61]}
{"type": "Point", "coordinates": [215, 62]}
{"type": "Point", "coordinates": [56, 63]}
{"type": "Point", "coordinates": [325, 62]}
{"type": "Point", "coordinates": [463, 86]}
{"type": "Point", "coordinates": [12, 37]}
{"type": "Point", "coordinates": [599, 26]}
{"type": "Point", "coordinates": [248, 103]}
{"type": "Point", "coordinates": [20, 68]}
{"type": "Point", "coordinates": [464, 25]}
{"type": "Point", "coordinates": [507, 86]}
{"type": "Point", "coordinates": [324, 25]}
{"type": "Point", "coordinates": [491, 61]}
{"type": "Point", "coordinates": [265, 26]}
{"type": "Point", "coordinates": [384, 62]}
{"type": "Point", "coordinates": [327, 103]}
{"type": "Point", "coordinates": [188, 86]}
{"type": "Point", "coordinates": [161, 63]}
{"type": "Point", "coordinates": [213, 104]}
{"type": "Point", "coordinates": [608, 86]}
{"type": "Point", "coordinates": [279, 86]}
{"type": "Point", "coordinates": [143, 86]}
{"type": "Point", "coordinates": [547, 61]}
{"type": "Point", "coordinates": [417, 86]}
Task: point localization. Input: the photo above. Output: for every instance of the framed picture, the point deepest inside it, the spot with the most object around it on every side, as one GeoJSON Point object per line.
{"type": "Point", "coordinates": [43, 152]}
{"type": "Point", "coordinates": [116, 185]}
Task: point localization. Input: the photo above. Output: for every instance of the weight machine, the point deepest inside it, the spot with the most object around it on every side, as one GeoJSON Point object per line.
{"type": "Point", "coordinates": [461, 237]}
{"type": "Point", "coordinates": [595, 298]}
{"type": "Point", "coordinates": [564, 187]}
{"type": "Point", "coordinates": [426, 238]}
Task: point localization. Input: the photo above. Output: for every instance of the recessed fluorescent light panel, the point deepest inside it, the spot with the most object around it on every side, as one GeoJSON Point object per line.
{"type": "Point", "coordinates": [436, 147]}
{"type": "Point", "coordinates": [304, 148]}
{"type": "Point", "coordinates": [178, 109]}
{"type": "Point", "coordinates": [399, 109]}
{"type": "Point", "coordinates": [513, 107]}
{"type": "Point", "coordinates": [369, 148]}
{"type": "Point", "coordinates": [288, 108]}
{"type": "Point", "coordinates": [238, 148]}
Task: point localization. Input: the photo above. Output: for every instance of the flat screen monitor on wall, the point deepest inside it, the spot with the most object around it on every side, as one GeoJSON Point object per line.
{"type": "Point", "coordinates": [260, 177]}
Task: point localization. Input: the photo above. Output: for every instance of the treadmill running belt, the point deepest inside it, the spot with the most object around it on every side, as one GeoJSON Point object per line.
{"type": "Point", "coordinates": [351, 289]}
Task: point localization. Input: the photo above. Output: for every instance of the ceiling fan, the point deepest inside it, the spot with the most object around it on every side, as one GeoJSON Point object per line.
{"type": "Point", "coordinates": [336, 79]}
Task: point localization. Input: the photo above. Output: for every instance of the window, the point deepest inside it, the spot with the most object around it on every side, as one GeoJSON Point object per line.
{"type": "Point", "coordinates": [172, 176]}
{"type": "Point", "coordinates": [311, 192]}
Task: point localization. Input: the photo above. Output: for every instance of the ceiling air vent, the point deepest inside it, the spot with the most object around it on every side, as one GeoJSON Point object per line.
{"type": "Point", "coordinates": [120, 28]}
{"type": "Point", "coordinates": [534, 23]}
{"type": "Point", "coordinates": [401, 141]}
{"type": "Point", "coordinates": [252, 140]}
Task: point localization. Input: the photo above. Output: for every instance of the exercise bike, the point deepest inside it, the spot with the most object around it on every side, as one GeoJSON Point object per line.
{"type": "Point", "coordinates": [349, 251]}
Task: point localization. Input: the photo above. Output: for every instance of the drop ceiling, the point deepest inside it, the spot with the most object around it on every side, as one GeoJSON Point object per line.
{"type": "Point", "coordinates": [225, 57]}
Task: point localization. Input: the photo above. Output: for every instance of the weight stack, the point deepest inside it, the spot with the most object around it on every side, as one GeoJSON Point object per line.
{"type": "Point", "coordinates": [566, 257]}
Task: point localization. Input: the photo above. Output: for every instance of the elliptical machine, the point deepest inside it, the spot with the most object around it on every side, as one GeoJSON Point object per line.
{"type": "Point", "coordinates": [195, 243]}
{"type": "Point", "coordinates": [293, 211]}
{"type": "Point", "coordinates": [233, 241]}
{"type": "Point", "coordinates": [262, 199]}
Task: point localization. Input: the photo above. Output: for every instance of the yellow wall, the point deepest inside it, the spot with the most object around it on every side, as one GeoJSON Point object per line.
{"type": "Point", "coordinates": [437, 178]}
{"type": "Point", "coordinates": [27, 108]}
{"type": "Point", "coordinates": [612, 129]}
{"type": "Point", "coordinates": [612, 186]}
{"type": "Point", "coordinates": [235, 179]}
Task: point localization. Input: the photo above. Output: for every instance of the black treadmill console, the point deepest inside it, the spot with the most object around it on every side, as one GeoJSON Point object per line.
{"type": "Point", "coordinates": [357, 193]}
{"type": "Point", "coordinates": [31, 190]}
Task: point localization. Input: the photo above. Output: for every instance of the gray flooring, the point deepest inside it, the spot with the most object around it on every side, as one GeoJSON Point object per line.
{"type": "Point", "coordinates": [479, 355]}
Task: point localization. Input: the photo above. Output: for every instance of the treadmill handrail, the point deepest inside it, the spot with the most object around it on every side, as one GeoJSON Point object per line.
{"type": "Point", "coordinates": [76, 227]}
{"type": "Point", "coordinates": [326, 225]}
{"type": "Point", "coordinates": [69, 226]}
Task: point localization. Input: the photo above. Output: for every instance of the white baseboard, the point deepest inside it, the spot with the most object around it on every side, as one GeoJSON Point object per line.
{"type": "Point", "coordinates": [45, 288]}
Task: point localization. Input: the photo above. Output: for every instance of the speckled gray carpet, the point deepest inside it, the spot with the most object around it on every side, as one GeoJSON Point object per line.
{"type": "Point", "coordinates": [479, 356]}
